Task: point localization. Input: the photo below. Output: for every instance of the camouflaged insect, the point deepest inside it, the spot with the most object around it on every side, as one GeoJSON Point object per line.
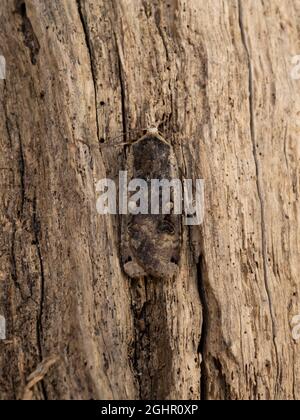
{"type": "Point", "coordinates": [151, 242]}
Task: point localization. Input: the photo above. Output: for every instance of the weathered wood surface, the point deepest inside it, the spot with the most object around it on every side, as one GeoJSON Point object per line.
{"type": "Point", "coordinates": [218, 76]}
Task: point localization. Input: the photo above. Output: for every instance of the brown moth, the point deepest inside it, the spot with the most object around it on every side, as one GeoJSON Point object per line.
{"type": "Point", "coordinates": [150, 243]}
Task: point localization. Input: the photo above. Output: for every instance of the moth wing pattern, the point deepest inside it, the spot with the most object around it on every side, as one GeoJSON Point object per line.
{"type": "Point", "coordinates": [150, 244]}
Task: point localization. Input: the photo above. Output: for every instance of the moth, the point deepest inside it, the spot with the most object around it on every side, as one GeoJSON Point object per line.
{"type": "Point", "coordinates": [151, 243]}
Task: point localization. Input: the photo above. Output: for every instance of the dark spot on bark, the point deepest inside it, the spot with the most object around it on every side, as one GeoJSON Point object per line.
{"type": "Point", "coordinates": [165, 226]}
{"type": "Point", "coordinates": [30, 39]}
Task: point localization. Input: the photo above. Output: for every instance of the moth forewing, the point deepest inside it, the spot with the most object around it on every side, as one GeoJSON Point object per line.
{"type": "Point", "coordinates": [151, 242]}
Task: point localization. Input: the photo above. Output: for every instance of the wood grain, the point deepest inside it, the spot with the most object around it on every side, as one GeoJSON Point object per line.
{"type": "Point", "coordinates": [216, 78]}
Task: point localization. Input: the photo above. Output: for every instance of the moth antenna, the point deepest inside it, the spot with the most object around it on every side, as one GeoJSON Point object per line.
{"type": "Point", "coordinates": [126, 132]}
{"type": "Point", "coordinates": [115, 145]}
{"type": "Point", "coordinates": [153, 129]}
{"type": "Point", "coordinates": [92, 146]}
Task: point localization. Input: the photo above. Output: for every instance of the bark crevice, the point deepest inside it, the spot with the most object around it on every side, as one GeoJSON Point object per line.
{"type": "Point", "coordinates": [39, 324]}
{"type": "Point", "coordinates": [90, 53]}
{"type": "Point", "coordinates": [30, 39]}
{"type": "Point", "coordinates": [22, 170]}
{"type": "Point", "coordinates": [122, 91]}
{"type": "Point", "coordinates": [141, 334]}
{"type": "Point", "coordinates": [202, 348]}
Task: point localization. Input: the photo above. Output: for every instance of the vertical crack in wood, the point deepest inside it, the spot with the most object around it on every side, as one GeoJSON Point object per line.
{"type": "Point", "coordinates": [39, 324]}
{"type": "Point", "coordinates": [204, 329]}
{"type": "Point", "coordinates": [153, 354]}
{"type": "Point", "coordinates": [22, 170]}
{"type": "Point", "coordinates": [90, 53]}
{"type": "Point", "coordinates": [258, 183]}
{"type": "Point", "coordinates": [30, 39]}
{"type": "Point", "coordinates": [141, 330]}
{"type": "Point", "coordinates": [121, 76]}
{"type": "Point", "coordinates": [123, 93]}
{"type": "Point", "coordinates": [32, 43]}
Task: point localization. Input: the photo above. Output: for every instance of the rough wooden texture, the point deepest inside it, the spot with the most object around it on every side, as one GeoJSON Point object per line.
{"type": "Point", "coordinates": [217, 76]}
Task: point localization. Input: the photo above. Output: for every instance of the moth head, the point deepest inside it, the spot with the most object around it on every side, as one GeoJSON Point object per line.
{"type": "Point", "coordinates": [153, 130]}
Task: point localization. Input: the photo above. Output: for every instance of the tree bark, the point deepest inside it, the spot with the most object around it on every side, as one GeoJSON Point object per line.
{"type": "Point", "coordinates": [216, 77]}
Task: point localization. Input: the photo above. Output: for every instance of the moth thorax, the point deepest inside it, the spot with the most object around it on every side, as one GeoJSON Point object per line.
{"type": "Point", "coordinates": [153, 130]}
